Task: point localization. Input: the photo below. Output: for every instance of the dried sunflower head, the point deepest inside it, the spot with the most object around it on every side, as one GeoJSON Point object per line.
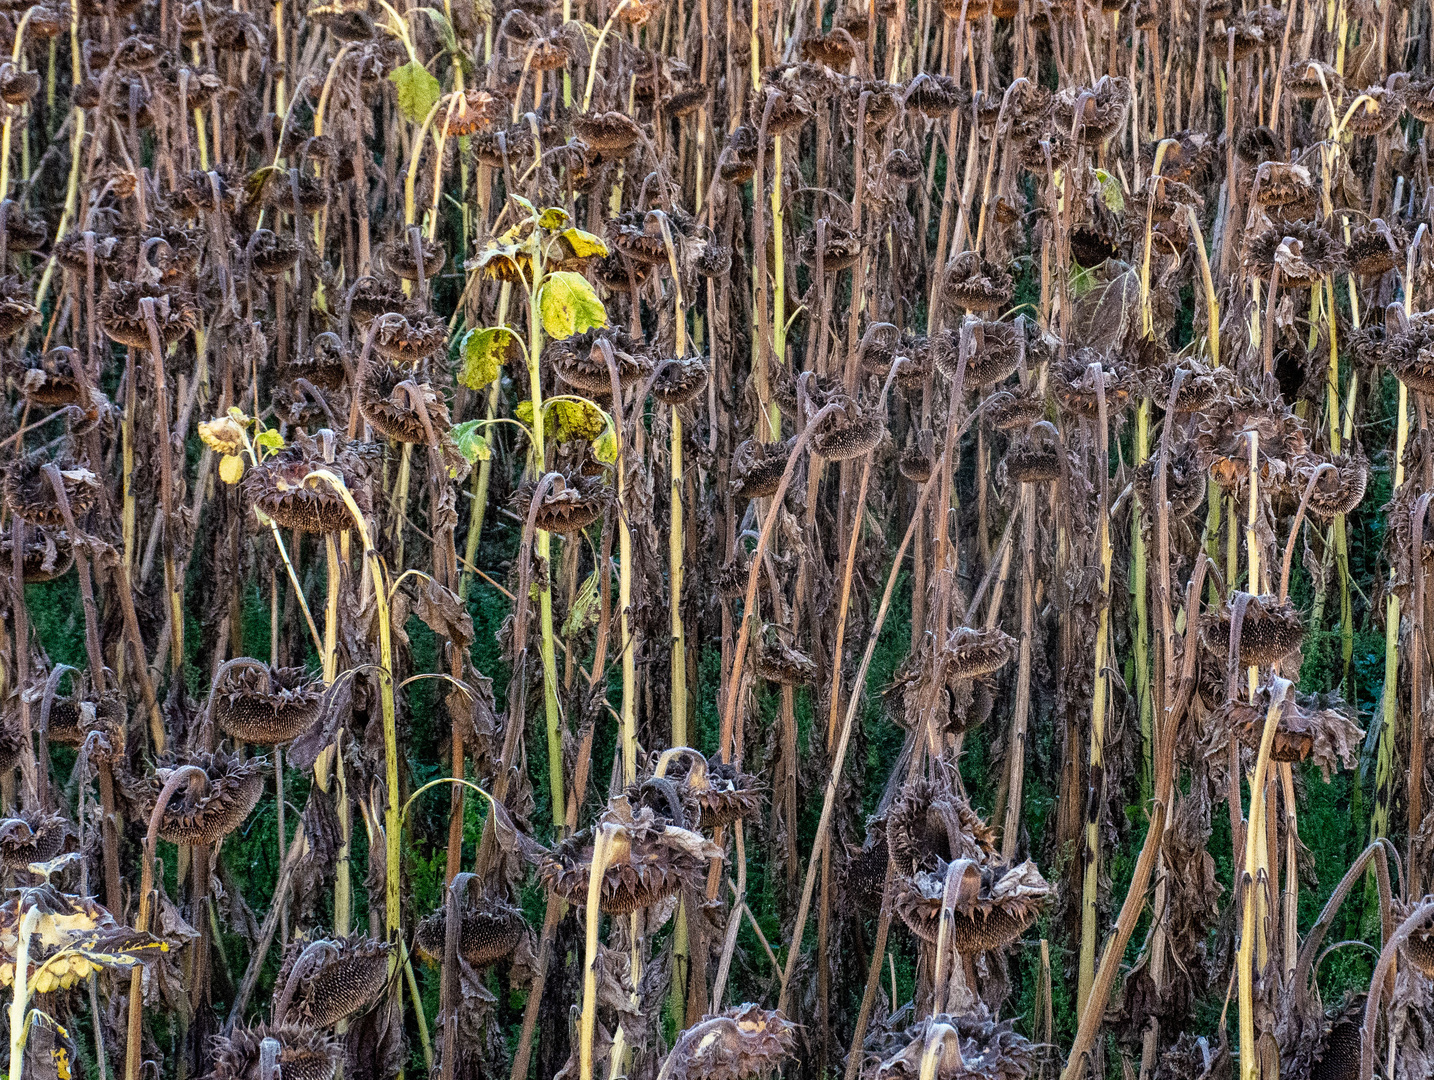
{"type": "Point", "coordinates": [32, 837]}
{"type": "Point", "coordinates": [122, 314]}
{"type": "Point", "coordinates": [370, 297]}
{"type": "Point", "coordinates": [930, 824]}
{"type": "Point", "coordinates": [1309, 728]}
{"type": "Point", "coordinates": [269, 254]}
{"type": "Point", "coordinates": [1338, 1055]}
{"type": "Point", "coordinates": [723, 793]}
{"type": "Point", "coordinates": [877, 350]}
{"type": "Point", "coordinates": [918, 460]}
{"type": "Point", "coordinates": [48, 554]}
{"type": "Point", "coordinates": [1200, 386]}
{"type": "Point", "coordinates": [680, 380]}
{"type": "Point", "coordinates": [468, 112]}
{"type": "Point", "coordinates": [1078, 388]}
{"type": "Point", "coordinates": [683, 103]}
{"type": "Point", "coordinates": [788, 114]}
{"type": "Point", "coordinates": [581, 360]}
{"type": "Point", "coordinates": [389, 397]}
{"type": "Point", "coordinates": [839, 248]}
{"type": "Point", "coordinates": [304, 1053]}
{"type": "Point", "coordinates": [994, 351]}
{"type": "Point", "coordinates": [1272, 629]}
{"type": "Point", "coordinates": [1310, 80]}
{"type": "Point", "coordinates": [49, 378]}
{"type": "Point", "coordinates": [489, 931]}
{"type": "Point", "coordinates": [639, 237]}
{"type": "Point", "coordinates": [398, 256]}
{"type": "Point", "coordinates": [1185, 483]}
{"type": "Point", "coordinates": [278, 488]}
{"type": "Point", "coordinates": [613, 134]}
{"type": "Point", "coordinates": [16, 309]}
{"type": "Point", "coordinates": [17, 87]}
{"type": "Point", "coordinates": [836, 49]}
{"type": "Point", "coordinates": [410, 338]}
{"type": "Point", "coordinates": [1035, 457]}
{"type": "Point", "coordinates": [778, 662]}
{"type": "Point", "coordinates": [1015, 411]}
{"type": "Point", "coordinates": [324, 364]}
{"type": "Point", "coordinates": [1374, 111]}
{"type": "Point", "coordinates": [333, 979]}
{"type": "Point", "coordinates": [23, 231]}
{"type": "Point", "coordinates": [649, 860]}
{"type": "Point", "coordinates": [1337, 491]}
{"type": "Point", "coordinates": [1286, 190]}
{"type": "Point", "coordinates": [1254, 31]}
{"type": "Point", "coordinates": [1302, 251]}
{"type": "Point", "coordinates": [935, 96]}
{"type": "Point", "coordinates": [992, 910]}
{"type": "Point", "coordinates": [743, 1043]}
{"type": "Point", "coordinates": [1419, 98]}
{"type": "Point", "coordinates": [571, 503]}
{"type": "Point", "coordinates": [969, 1046]}
{"type": "Point", "coordinates": [74, 719]}
{"type": "Point", "coordinates": [30, 496]}
{"type": "Point", "coordinates": [1095, 113]}
{"type": "Point", "coordinates": [1256, 144]}
{"type": "Point", "coordinates": [1409, 350]}
{"type": "Point", "coordinates": [1375, 248]}
{"type": "Point", "coordinates": [1160, 199]}
{"type": "Point", "coordinates": [976, 284]}
{"type": "Point", "coordinates": [757, 468]}
{"type": "Point", "coordinates": [496, 147]}
{"type": "Point", "coordinates": [205, 813]}
{"type": "Point", "coordinates": [254, 703]}
{"type": "Point", "coordinates": [850, 434]}
{"type": "Point", "coordinates": [1093, 241]}
{"type": "Point", "coordinates": [738, 161]}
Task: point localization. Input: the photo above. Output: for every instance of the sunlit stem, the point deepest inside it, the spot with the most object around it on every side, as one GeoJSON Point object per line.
{"type": "Point", "coordinates": [1255, 869]}
{"type": "Point", "coordinates": [544, 543]}
{"type": "Point", "coordinates": [6, 132]}
{"type": "Point", "coordinates": [392, 906]}
{"type": "Point", "coordinates": [597, 51]}
{"type": "Point", "coordinates": [602, 849]}
{"type": "Point", "coordinates": [21, 999]}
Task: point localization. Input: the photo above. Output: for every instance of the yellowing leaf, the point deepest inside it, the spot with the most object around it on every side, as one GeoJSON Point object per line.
{"type": "Point", "coordinates": [483, 353]}
{"type": "Point", "coordinates": [605, 446]}
{"type": "Point", "coordinates": [568, 305]}
{"type": "Point", "coordinates": [1111, 192]}
{"type": "Point", "coordinates": [417, 90]}
{"type": "Point", "coordinates": [578, 420]}
{"type": "Point", "coordinates": [524, 411]}
{"type": "Point", "coordinates": [472, 445]}
{"type": "Point", "coordinates": [584, 244]}
{"type": "Point", "coordinates": [231, 468]}
{"type": "Point", "coordinates": [553, 218]}
{"type": "Point", "coordinates": [584, 610]}
{"type": "Point", "coordinates": [270, 440]}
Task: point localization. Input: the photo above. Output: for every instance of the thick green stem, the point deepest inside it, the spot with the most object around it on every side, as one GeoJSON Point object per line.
{"type": "Point", "coordinates": [545, 551]}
